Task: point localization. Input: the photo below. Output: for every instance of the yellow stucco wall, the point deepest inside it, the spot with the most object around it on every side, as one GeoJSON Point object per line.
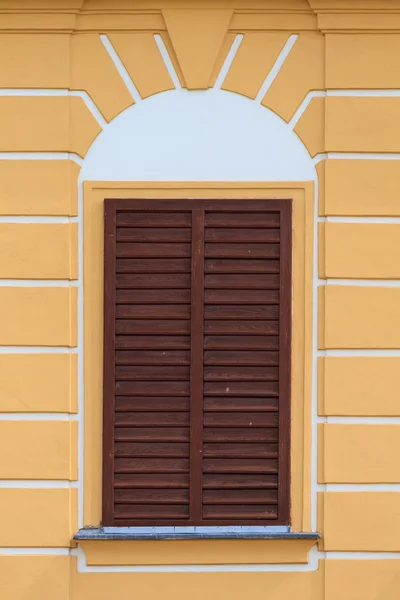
{"type": "Point", "coordinates": [338, 88]}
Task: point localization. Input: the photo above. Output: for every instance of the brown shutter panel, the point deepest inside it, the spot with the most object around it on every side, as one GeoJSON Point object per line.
{"type": "Point", "coordinates": [197, 362]}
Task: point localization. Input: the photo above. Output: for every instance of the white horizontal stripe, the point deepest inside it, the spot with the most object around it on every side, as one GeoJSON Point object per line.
{"type": "Point", "coordinates": [363, 220]}
{"type": "Point", "coordinates": [41, 156]}
{"type": "Point", "coordinates": [39, 484]}
{"type": "Point", "coordinates": [38, 417]}
{"type": "Point", "coordinates": [38, 219]}
{"type": "Point", "coordinates": [356, 156]}
{"type": "Point", "coordinates": [359, 353]}
{"type": "Point", "coordinates": [37, 551]}
{"type": "Point", "coordinates": [360, 420]}
{"type": "Point", "coordinates": [361, 282]}
{"type": "Point", "coordinates": [362, 555]}
{"type": "Point", "coordinates": [33, 92]}
{"type": "Point", "coordinates": [359, 487]}
{"type": "Point", "coordinates": [364, 93]}
{"type": "Point", "coordinates": [57, 93]}
{"type": "Point", "coordinates": [38, 350]}
{"type": "Point", "coordinates": [38, 283]}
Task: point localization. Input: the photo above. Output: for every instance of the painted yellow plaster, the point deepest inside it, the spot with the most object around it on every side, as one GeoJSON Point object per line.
{"type": "Point", "coordinates": [38, 449]}
{"type": "Point", "coordinates": [28, 577]}
{"type": "Point", "coordinates": [302, 71]}
{"type": "Point", "coordinates": [34, 60]}
{"type": "Point", "coordinates": [83, 128]}
{"type": "Point", "coordinates": [181, 586]}
{"type": "Point", "coordinates": [362, 124]}
{"type": "Point", "coordinates": [212, 552]}
{"type": "Point", "coordinates": [310, 127]}
{"type": "Point", "coordinates": [48, 384]}
{"type": "Point", "coordinates": [362, 61]}
{"type": "Point", "coordinates": [359, 317]}
{"type": "Point", "coordinates": [225, 47]}
{"type": "Point", "coordinates": [359, 251]}
{"type": "Point", "coordinates": [302, 195]}
{"type": "Point", "coordinates": [197, 36]}
{"type": "Point", "coordinates": [93, 70]}
{"type": "Point", "coordinates": [142, 59]}
{"type": "Point", "coordinates": [39, 187]}
{"type": "Point", "coordinates": [37, 517]}
{"type": "Point", "coordinates": [366, 579]}
{"type": "Point", "coordinates": [261, 19]}
{"type": "Point", "coordinates": [352, 453]}
{"type": "Point", "coordinates": [25, 251]}
{"type": "Point", "coordinates": [359, 187]}
{"type": "Point", "coordinates": [359, 386]}
{"type": "Point", "coordinates": [46, 124]}
{"type": "Point", "coordinates": [255, 58]}
{"type": "Point", "coordinates": [44, 316]}
{"type": "Point", "coordinates": [360, 521]}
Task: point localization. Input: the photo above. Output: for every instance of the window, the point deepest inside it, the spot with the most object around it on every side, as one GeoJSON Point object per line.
{"type": "Point", "coordinates": [197, 362]}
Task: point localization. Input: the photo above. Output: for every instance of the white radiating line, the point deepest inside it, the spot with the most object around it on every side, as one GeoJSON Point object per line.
{"type": "Point", "coordinates": [126, 78]}
{"type": "Point", "coordinates": [91, 106]}
{"type": "Point", "coordinates": [228, 62]}
{"type": "Point", "coordinates": [42, 156]}
{"type": "Point", "coordinates": [39, 484]}
{"type": "Point", "coordinates": [359, 487]}
{"type": "Point", "coordinates": [360, 420]}
{"type": "Point", "coordinates": [359, 353]}
{"type": "Point", "coordinates": [356, 156]}
{"type": "Point", "coordinates": [276, 68]}
{"type": "Point", "coordinates": [303, 106]}
{"type": "Point", "coordinates": [312, 565]}
{"type": "Point", "coordinates": [38, 283]}
{"type": "Point", "coordinates": [38, 416]}
{"type": "Point", "coordinates": [167, 61]}
{"type": "Point", "coordinates": [37, 219]}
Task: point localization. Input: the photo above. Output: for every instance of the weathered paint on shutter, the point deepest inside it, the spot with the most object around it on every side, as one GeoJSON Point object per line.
{"type": "Point", "coordinates": [197, 362]}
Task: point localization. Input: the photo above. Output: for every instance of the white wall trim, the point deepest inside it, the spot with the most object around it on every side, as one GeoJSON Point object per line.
{"type": "Point", "coordinates": [42, 156]}
{"type": "Point", "coordinates": [359, 353]}
{"type": "Point", "coordinates": [269, 80]}
{"type": "Point", "coordinates": [119, 65]}
{"type": "Point", "coordinates": [45, 416]}
{"type": "Point", "coordinates": [228, 62]}
{"type": "Point", "coordinates": [38, 219]}
{"type": "Point", "coordinates": [167, 61]}
{"type": "Point", "coordinates": [38, 350]}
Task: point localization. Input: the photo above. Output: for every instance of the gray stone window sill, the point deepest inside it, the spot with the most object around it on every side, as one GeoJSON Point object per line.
{"type": "Point", "coordinates": [192, 533]}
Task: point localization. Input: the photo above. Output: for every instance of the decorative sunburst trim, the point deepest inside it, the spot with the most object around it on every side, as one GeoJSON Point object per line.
{"type": "Point", "coordinates": [270, 78]}
{"type": "Point", "coordinates": [131, 87]}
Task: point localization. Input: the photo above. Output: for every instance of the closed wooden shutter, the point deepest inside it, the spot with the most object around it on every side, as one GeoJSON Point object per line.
{"type": "Point", "coordinates": [197, 362]}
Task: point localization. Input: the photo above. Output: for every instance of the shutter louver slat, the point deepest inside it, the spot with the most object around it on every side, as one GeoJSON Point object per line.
{"type": "Point", "coordinates": [197, 362]}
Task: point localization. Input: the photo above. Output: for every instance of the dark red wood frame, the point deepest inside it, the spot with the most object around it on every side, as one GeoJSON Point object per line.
{"type": "Point", "coordinates": [198, 208]}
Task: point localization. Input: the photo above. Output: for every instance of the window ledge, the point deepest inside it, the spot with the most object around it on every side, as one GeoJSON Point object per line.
{"type": "Point", "coordinates": [123, 546]}
{"type": "Point", "coordinates": [192, 533]}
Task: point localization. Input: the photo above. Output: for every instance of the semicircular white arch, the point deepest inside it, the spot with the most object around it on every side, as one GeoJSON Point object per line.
{"type": "Point", "coordinates": [210, 135]}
